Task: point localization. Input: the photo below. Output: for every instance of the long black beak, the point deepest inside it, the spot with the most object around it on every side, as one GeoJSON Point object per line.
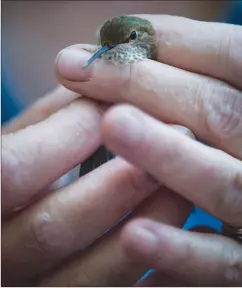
{"type": "Point", "coordinates": [96, 55]}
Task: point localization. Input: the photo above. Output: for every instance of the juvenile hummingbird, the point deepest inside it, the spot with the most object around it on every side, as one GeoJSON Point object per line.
{"type": "Point", "coordinates": [123, 40]}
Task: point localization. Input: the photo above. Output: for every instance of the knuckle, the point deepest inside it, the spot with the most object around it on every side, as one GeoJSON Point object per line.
{"type": "Point", "coordinates": [10, 161]}
{"type": "Point", "coordinates": [224, 50]}
{"type": "Point", "coordinates": [200, 99]}
{"type": "Point", "coordinates": [229, 56]}
{"type": "Point", "coordinates": [135, 183]}
{"type": "Point", "coordinates": [139, 185]}
{"type": "Point", "coordinates": [237, 199]}
{"type": "Point", "coordinates": [41, 229]}
{"type": "Point", "coordinates": [11, 171]}
{"type": "Point", "coordinates": [227, 203]}
{"type": "Point", "coordinates": [233, 266]}
{"type": "Point", "coordinates": [223, 110]}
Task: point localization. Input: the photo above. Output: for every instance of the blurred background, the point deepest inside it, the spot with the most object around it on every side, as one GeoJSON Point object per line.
{"type": "Point", "coordinates": [33, 32]}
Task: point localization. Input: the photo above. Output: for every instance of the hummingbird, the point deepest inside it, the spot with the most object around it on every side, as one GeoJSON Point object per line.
{"type": "Point", "coordinates": [122, 40]}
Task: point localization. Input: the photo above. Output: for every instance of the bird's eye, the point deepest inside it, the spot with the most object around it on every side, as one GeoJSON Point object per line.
{"type": "Point", "coordinates": [133, 35]}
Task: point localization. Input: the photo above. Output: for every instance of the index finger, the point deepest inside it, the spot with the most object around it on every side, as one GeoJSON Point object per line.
{"type": "Point", "coordinates": [213, 49]}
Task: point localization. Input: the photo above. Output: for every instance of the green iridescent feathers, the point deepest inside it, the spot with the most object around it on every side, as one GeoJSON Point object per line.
{"type": "Point", "coordinates": [118, 30]}
{"type": "Point", "coordinates": [125, 39]}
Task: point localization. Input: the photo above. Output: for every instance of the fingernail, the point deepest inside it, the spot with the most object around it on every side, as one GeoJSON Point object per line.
{"type": "Point", "coordinates": [183, 130]}
{"type": "Point", "coordinates": [69, 64]}
{"type": "Point", "coordinates": [146, 238]}
{"type": "Point", "coordinates": [127, 126]}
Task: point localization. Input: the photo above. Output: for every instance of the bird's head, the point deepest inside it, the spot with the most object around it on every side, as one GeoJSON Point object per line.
{"type": "Point", "coordinates": [126, 30]}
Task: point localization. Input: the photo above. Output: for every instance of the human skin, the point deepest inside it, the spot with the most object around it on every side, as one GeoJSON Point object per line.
{"type": "Point", "coordinates": [195, 82]}
{"type": "Point", "coordinates": [43, 226]}
{"type": "Point", "coordinates": [62, 222]}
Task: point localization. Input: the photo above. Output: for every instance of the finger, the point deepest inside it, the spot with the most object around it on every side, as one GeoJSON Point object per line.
{"type": "Point", "coordinates": [210, 108]}
{"type": "Point", "coordinates": [105, 264]}
{"type": "Point", "coordinates": [207, 177]}
{"type": "Point", "coordinates": [157, 278]}
{"type": "Point", "coordinates": [206, 48]}
{"type": "Point", "coordinates": [40, 110]}
{"type": "Point", "coordinates": [36, 156]}
{"type": "Point", "coordinates": [68, 220]}
{"type": "Point", "coordinates": [197, 258]}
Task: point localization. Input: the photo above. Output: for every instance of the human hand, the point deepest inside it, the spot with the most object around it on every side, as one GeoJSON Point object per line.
{"type": "Point", "coordinates": [195, 82]}
{"type": "Point", "coordinates": [47, 233]}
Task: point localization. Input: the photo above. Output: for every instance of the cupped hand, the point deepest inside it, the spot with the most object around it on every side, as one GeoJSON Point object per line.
{"type": "Point", "coordinates": [195, 82]}
{"type": "Point", "coordinates": [49, 235]}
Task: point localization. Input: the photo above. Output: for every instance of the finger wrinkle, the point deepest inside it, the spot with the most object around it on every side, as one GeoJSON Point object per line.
{"type": "Point", "coordinates": [31, 157]}
{"type": "Point", "coordinates": [233, 265]}
{"type": "Point", "coordinates": [49, 235]}
{"type": "Point", "coordinates": [205, 105]}
{"type": "Point", "coordinates": [137, 184]}
{"type": "Point", "coordinates": [208, 48]}
{"type": "Point", "coordinates": [107, 255]}
{"type": "Point", "coordinates": [65, 209]}
{"type": "Point", "coordinates": [115, 78]}
{"type": "Point", "coordinates": [229, 58]}
{"type": "Point", "coordinates": [10, 164]}
{"type": "Point", "coordinates": [129, 133]}
{"type": "Point", "coordinates": [216, 257]}
{"type": "Point", "coordinates": [53, 229]}
{"type": "Point", "coordinates": [223, 106]}
{"type": "Point", "coordinates": [39, 238]}
{"type": "Point", "coordinates": [234, 198]}
{"type": "Point", "coordinates": [13, 162]}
